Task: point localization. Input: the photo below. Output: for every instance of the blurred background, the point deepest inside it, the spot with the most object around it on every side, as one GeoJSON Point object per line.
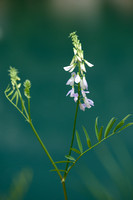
{"type": "Point", "coordinates": [34, 39]}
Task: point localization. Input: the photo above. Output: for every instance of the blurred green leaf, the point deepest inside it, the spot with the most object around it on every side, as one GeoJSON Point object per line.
{"type": "Point", "coordinates": [109, 126]}
{"type": "Point", "coordinates": [87, 137]}
{"type": "Point", "coordinates": [96, 128]}
{"type": "Point", "coordinates": [100, 134]}
{"type": "Point", "coordinates": [79, 142]}
{"type": "Point", "coordinates": [127, 125]}
{"type": "Point", "coordinates": [121, 123]}
{"type": "Point", "coordinates": [76, 150]}
{"type": "Point", "coordinates": [70, 158]}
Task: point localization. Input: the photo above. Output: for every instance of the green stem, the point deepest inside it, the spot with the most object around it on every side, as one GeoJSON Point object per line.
{"type": "Point", "coordinates": [64, 189]}
{"type": "Point", "coordinates": [29, 109]}
{"type": "Point", "coordinates": [74, 127]}
{"type": "Point", "coordinates": [46, 151]}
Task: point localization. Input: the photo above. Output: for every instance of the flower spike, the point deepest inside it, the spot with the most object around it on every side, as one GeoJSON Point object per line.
{"type": "Point", "coordinates": [78, 78]}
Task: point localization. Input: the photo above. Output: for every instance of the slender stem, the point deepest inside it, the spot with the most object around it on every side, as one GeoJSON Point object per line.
{"type": "Point", "coordinates": [64, 189]}
{"type": "Point", "coordinates": [29, 109]}
{"type": "Point", "coordinates": [46, 151]}
{"type": "Point", "coordinates": [74, 127]}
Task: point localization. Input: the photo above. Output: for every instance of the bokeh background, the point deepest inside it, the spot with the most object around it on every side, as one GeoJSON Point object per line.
{"type": "Point", "coordinates": [34, 39]}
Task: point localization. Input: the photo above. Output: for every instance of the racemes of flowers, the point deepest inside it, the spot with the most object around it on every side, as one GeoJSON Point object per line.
{"type": "Point", "coordinates": [78, 79]}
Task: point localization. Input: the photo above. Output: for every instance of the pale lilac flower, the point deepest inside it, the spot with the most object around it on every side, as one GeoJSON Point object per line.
{"type": "Point", "coordinates": [82, 106]}
{"type": "Point", "coordinates": [71, 92]}
{"type": "Point", "coordinates": [83, 83]}
{"type": "Point", "coordinates": [77, 78]}
{"type": "Point", "coordinates": [72, 79]}
{"type": "Point", "coordinates": [84, 93]}
{"type": "Point", "coordinates": [88, 102]}
{"type": "Point", "coordinates": [88, 63]}
{"type": "Point", "coordinates": [75, 95]}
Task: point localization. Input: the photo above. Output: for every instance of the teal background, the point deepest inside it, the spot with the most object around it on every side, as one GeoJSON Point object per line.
{"type": "Point", "coordinates": [34, 39]}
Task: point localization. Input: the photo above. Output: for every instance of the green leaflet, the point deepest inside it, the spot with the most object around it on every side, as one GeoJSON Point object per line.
{"type": "Point", "coordinates": [79, 142]}
{"type": "Point", "coordinates": [100, 134]}
{"type": "Point", "coordinates": [87, 137]}
{"type": "Point", "coordinates": [96, 128]}
{"type": "Point", "coordinates": [109, 126]}
{"type": "Point", "coordinates": [13, 97]}
{"type": "Point", "coordinates": [121, 123]}
{"type": "Point", "coordinates": [70, 158]}
{"type": "Point", "coordinates": [76, 150]}
{"type": "Point", "coordinates": [10, 92]}
{"type": "Point", "coordinates": [129, 124]}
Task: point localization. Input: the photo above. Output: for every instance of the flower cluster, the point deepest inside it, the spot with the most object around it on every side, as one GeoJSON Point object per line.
{"type": "Point", "coordinates": [27, 86]}
{"type": "Point", "coordinates": [13, 73]}
{"type": "Point", "coordinates": [78, 78]}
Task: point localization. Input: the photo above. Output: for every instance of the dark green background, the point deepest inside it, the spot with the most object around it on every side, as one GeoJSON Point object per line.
{"type": "Point", "coordinates": [34, 39]}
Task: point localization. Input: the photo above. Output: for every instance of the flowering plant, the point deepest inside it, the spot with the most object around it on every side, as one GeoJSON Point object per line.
{"type": "Point", "coordinates": [79, 91]}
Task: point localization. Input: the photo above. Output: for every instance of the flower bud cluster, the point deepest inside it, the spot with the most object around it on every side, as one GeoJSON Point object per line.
{"type": "Point", "coordinates": [13, 73]}
{"type": "Point", "coordinates": [27, 86]}
{"type": "Point", "coordinates": [78, 77]}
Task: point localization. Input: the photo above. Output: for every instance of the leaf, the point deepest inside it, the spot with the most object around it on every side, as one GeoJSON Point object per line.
{"type": "Point", "coordinates": [79, 142]}
{"type": "Point", "coordinates": [100, 134]}
{"type": "Point", "coordinates": [10, 93]}
{"type": "Point", "coordinates": [121, 123]}
{"type": "Point", "coordinates": [87, 137]}
{"type": "Point", "coordinates": [13, 97]}
{"type": "Point", "coordinates": [7, 89]}
{"type": "Point", "coordinates": [76, 150]}
{"type": "Point", "coordinates": [96, 128]}
{"type": "Point", "coordinates": [109, 126]}
{"type": "Point", "coordinates": [127, 125]}
{"type": "Point", "coordinates": [70, 158]}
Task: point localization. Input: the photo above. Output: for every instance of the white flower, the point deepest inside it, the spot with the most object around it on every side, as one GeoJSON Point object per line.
{"type": "Point", "coordinates": [71, 92]}
{"type": "Point", "coordinates": [88, 63]}
{"type": "Point", "coordinates": [87, 102]}
{"type": "Point", "coordinates": [82, 106]}
{"type": "Point", "coordinates": [83, 83]}
{"type": "Point", "coordinates": [71, 80]}
{"type": "Point", "coordinates": [82, 66]}
{"type": "Point", "coordinates": [69, 68]}
{"type": "Point", "coordinates": [75, 51]}
{"type": "Point", "coordinates": [75, 95]}
{"type": "Point", "coordinates": [77, 78]}
{"type": "Point", "coordinates": [84, 93]}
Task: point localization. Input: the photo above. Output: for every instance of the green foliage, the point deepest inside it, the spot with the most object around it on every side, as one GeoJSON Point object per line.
{"type": "Point", "coordinates": [87, 137]}
{"type": "Point", "coordinates": [109, 126]}
{"type": "Point", "coordinates": [79, 142]}
{"type": "Point", "coordinates": [70, 158]}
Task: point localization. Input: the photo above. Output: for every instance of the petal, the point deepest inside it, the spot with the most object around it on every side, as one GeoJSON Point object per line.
{"type": "Point", "coordinates": [88, 63]}
{"type": "Point", "coordinates": [67, 68]}
{"type": "Point", "coordinates": [85, 83]}
{"type": "Point", "coordinates": [77, 79]}
{"type": "Point", "coordinates": [82, 66]}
